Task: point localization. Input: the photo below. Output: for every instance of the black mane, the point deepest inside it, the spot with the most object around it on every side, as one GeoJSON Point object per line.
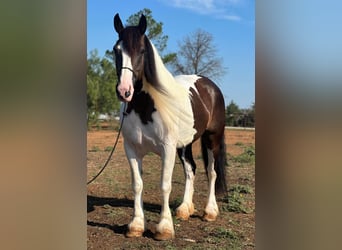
{"type": "Point", "coordinates": [150, 66]}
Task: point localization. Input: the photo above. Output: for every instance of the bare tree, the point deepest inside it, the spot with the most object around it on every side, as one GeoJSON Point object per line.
{"type": "Point", "coordinates": [198, 55]}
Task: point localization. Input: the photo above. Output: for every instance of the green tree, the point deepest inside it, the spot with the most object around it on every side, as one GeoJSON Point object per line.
{"type": "Point", "coordinates": [101, 83]}
{"type": "Point", "coordinates": [93, 86]}
{"type": "Point", "coordinates": [237, 117]}
{"type": "Point", "coordinates": [246, 117]}
{"type": "Point", "coordinates": [108, 101]}
{"type": "Point", "coordinates": [249, 116]}
{"type": "Point", "coordinates": [232, 114]}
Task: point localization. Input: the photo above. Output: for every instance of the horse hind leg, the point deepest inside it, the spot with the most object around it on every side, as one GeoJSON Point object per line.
{"type": "Point", "coordinates": [214, 156]}
{"type": "Point", "coordinates": [211, 210]}
{"type": "Point", "coordinates": [186, 209]}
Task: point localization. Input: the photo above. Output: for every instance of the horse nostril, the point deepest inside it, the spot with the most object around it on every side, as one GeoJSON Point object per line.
{"type": "Point", "coordinates": [127, 94]}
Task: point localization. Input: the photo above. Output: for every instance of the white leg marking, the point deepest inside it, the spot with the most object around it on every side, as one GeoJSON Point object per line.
{"type": "Point", "coordinates": [187, 207]}
{"type": "Point", "coordinates": [211, 209]}
{"type": "Point", "coordinates": [165, 230]}
{"type": "Point", "coordinates": [137, 226]}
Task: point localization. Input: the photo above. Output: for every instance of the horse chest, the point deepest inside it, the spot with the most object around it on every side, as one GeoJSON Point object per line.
{"type": "Point", "coordinates": [145, 127]}
{"type": "Point", "coordinates": [147, 137]}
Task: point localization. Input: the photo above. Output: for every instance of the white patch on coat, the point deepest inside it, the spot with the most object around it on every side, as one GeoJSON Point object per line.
{"type": "Point", "coordinates": [211, 207]}
{"type": "Point", "coordinates": [188, 81]}
{"type": "Point", "coordinates": [148, 137]}
{"type": "Point", "coordinates": [126, 83]}
{"type": "Point", "coordinates": [189, 182]}
{"type": "Point", "coordinates": [174, 106]}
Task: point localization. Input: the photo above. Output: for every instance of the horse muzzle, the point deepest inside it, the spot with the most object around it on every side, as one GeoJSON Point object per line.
{"type": "Point", "coordinates": [125, 94]}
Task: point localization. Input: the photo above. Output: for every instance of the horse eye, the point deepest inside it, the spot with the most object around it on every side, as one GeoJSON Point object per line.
{"type": "Point", "coordinates": [142, 51]}
{"type": "Point", "coordinates": [117, 47]}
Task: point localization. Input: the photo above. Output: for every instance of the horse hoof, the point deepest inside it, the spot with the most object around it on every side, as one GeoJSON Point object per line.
{"type": "Point", "coordinates": [183, 212]}
{"type": "Point", "coordinates": [134, 232]}
{"type": "Point", "coordinates": [209, 217]}
{"type": "Point", "coordinates": [182, 215]}
{"type": "Point", "coordinates": [166, 235]}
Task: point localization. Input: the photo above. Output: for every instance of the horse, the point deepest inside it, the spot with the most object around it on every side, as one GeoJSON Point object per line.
{"type": "Point", "coordinates": [165, 115]}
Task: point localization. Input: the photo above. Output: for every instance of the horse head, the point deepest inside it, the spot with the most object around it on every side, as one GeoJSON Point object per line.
{"type": "Point", "coordinates": [129, 53]}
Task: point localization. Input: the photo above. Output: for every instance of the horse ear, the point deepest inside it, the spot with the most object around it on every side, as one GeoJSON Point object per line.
{"type": "Point", "coordinates": [142, 24]}
{"type": "Point", "coordinates": [117, 23]}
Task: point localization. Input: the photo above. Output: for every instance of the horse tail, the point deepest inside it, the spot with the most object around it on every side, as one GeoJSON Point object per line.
{"type": "Point", "coordinates": [205, 155]}
{"type": "Point", "coordinates": [220, 169]}
{"type": "Point", "coordinates": [220, 162]}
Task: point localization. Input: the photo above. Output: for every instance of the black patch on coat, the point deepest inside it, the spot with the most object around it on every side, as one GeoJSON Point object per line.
{"type": "Point", "coordinates": [143, 105]}
{"type": "Point", "coordinates": [150, 67]}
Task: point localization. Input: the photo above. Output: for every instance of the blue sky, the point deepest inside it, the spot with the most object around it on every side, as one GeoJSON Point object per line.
{"type": "Point", "coordinates": [231, 22]}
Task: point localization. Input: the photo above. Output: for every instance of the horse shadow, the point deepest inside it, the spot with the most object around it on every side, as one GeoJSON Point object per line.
{"type": "Point", "coordinates": [93, 201]}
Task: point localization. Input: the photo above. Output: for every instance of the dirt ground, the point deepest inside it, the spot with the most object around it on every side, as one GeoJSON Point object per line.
{"type": "Point", "coordinates": [110, 198]}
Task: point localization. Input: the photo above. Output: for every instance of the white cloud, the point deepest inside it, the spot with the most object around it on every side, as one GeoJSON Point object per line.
{"type": "Point", "coordinates": [231, 17]}
{"type": "Point", "coordinates": [200, 6]}
{"type": "Point", "coordinates": [219, 8]}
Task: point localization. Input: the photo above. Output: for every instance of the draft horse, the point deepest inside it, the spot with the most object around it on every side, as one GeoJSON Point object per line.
{"type": "Point", "coordinates": [165, 115]}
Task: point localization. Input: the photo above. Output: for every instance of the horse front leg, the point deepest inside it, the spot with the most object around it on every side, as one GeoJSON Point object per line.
{"type": "Point", "coordinates": [136, 227]}
{"type": "Point", "coordinates": [165, 229]}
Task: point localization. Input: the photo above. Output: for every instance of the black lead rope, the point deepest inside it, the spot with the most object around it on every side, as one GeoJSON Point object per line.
{"type": "Point", "coordinates": [111, 153]}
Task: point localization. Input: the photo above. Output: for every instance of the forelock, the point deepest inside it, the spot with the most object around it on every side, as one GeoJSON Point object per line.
{"type": "Point", "coordinates": [131, 38]}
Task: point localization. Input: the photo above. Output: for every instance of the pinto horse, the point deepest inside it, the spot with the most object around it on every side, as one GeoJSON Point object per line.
{"type": "Point", "coordinates": [165, 115]}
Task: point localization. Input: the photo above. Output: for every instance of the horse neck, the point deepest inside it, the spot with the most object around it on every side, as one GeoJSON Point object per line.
{"type": "Point", "coordinates": [171, 99]}
{"type": "Point", "coordinates": [156, 74]}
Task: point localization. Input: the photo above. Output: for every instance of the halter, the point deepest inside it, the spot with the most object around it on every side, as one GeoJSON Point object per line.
{"type": "Point", "coordinates": [129, 70]}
